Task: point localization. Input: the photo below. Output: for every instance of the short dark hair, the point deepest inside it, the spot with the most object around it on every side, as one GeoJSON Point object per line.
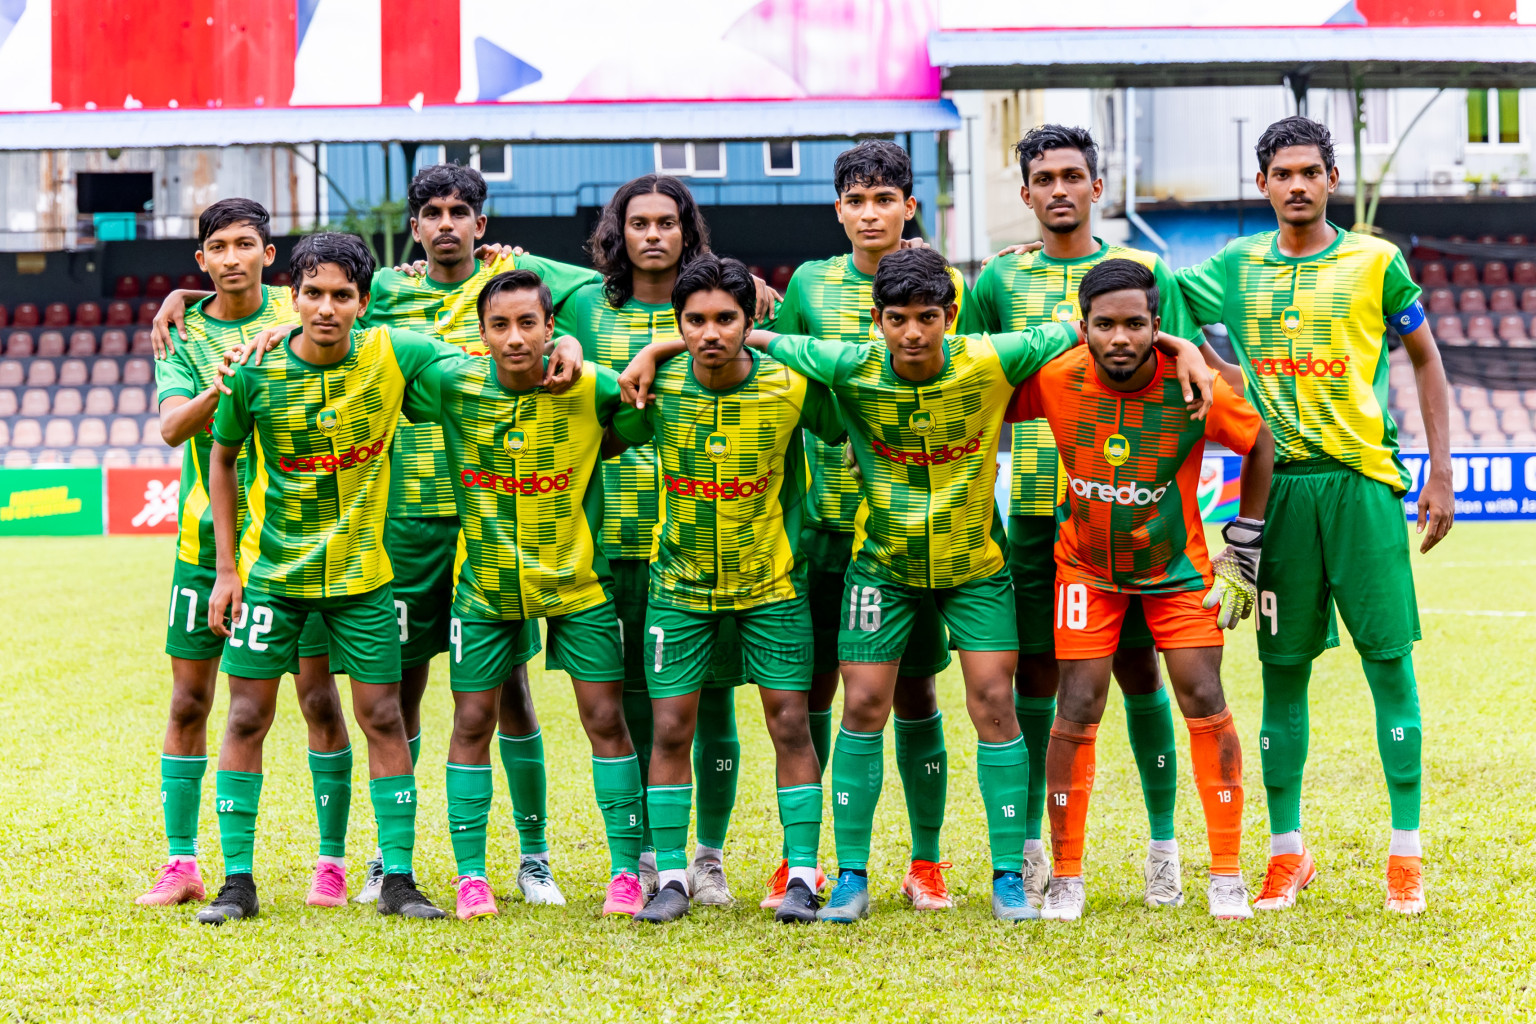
{"type": "Point", "coordinates": [1294, 131]}
{"type": "Point", "coordinates": [346, 251]}
{"type": "Point", "coordinates": [708, 272]}
{"type": "Point", "coordinates": [908, 276]}
{"type": "Point", "coordinates": [443, 180]}
{"type": "Point", "coordinates": [228, 212]}
{"type": "Point", "coordinates": [1037, 141]}
{"type": "Point", "coordinates": [606, 246]}
{"type": "Point", "coordinates": [1117, 275]}
{"type": "Point", "coordinates": [871, 164]}
{"type": "Point", "coordinates": [515, 281]}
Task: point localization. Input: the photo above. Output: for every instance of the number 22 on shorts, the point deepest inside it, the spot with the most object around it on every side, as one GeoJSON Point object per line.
{"type": "Point", "coordinates": [1071, 606]}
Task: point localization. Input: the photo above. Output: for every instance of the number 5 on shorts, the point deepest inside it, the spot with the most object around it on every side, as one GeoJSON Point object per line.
{"type": "Point", "coordinates": [1072, 606]}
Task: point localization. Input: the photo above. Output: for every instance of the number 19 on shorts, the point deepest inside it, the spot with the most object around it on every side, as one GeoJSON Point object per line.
{"type": "Point", "coordinates": [1071, 606]}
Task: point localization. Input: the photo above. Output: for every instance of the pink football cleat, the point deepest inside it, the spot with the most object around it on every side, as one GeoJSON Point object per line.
{"type": "Point", "coordinates": [624, 895]}
{"type": "Point", "coordinates": [475, 898]}
{"type": "Point", "coordinates": [329, 886]}
{"type": "Point", "coordinates": [179, 882]}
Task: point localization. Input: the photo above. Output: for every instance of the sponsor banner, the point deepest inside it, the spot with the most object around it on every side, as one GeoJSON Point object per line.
{"type": "Point", "coordinates": [142, 499]}
{"type": "Point", "coordinates": [50, 501]}
{"type": "Point", "coordinates": [1490, 483]}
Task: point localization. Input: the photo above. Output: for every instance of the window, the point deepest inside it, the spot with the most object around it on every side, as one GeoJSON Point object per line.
{"type": "Point", "coordinates": [1493, 116]}
{"type": "Point", "coordinates": [493, 160]}
{"type": "Point", "coordinates": [699, 159]}
{"type": "Point", "coordinates": [781, 158]}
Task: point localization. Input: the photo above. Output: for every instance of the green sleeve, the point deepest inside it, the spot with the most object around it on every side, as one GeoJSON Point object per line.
{"type": "Point", "coordinates": [1398, 291]}
{"type": "Point", "coordinates": [424, 394]}
{"type": "Point", "coordinates": [633, 426]}
{"type": "Point", "coordinates": [233, 420]}
{"type": "Point", "coordinates": [984, 316]}
{"type": "Point", "coordinates": [824, 361]}
{"type": "Point", "coordinates": [1205, 290]}
{"type": "Point", "coordinates": [380, 295]}
{"type": "Point", "coordinates": [1170, 306]}
{"type": "Point", "coordinates": [571, 314]}
{"type": "Point", "coordinates": [415, 352]}
{"type": "Point", "coordinates": [821, 416]}
{"type": "Point", "coordinates": [789, 318]}
{"type": "Point", "coordinates": [966, 318]}
{"type": "Point", "coordinates": [562, 279]}
{"type": "Point", "coordinates": [608, 400]}
{"type": "Point", "coordinates": [174, 375]}
{"type": "Point", "coordinates": [1024, 352]}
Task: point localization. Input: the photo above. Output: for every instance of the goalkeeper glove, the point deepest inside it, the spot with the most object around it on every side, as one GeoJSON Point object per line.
{"type": "Point", "coordinates": [1237, 572]}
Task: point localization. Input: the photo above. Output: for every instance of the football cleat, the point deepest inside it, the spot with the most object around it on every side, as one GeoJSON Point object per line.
{"type": "Point", "coordinates": [798, 906]}
{"type": "Point", "coordinates": [1009, 900]}
{"type": "Point", "coordinates": [1165, 888]}
{"type": "Point", "coordinates": [1228, 898]}
{"type": "Point", "coordinates": [1066, 901]}
{"type": "Point", "coordinates": [1037, 876]}
{"type": "Point", "coordinates": [706, 881]}
{"type": "Point", "coordinates": [650, 879]}
{"type": "Point", "coordinates": [475, 898]}
{"type": "Point", "coordinates": [373, 880]}
{"type": "Point", "coordinates": [669, 904]}
{"type": "Point", "coordinates": [776, 883]}
{"type": "Point", "coordinates": [235, 901]}
{"type": "Point", "coordinates": [398, 894]}
{"type": "Point", "coordinates": [179, 881]}
{"type": "Point", "coordinates": [625, 895]}
{"type": "Point", "coordinates": [537, 883]}
{"type": "Point", "coordinates": [849, 902]}
{"type": "Point", "coordinates": [1286, 876]}
{"type": "Point", "coordinates": [1405, 885]}
{"type": "Point", "coordinates": [924, 885]}
{"type": "Point", "coordinates": [328, 888]}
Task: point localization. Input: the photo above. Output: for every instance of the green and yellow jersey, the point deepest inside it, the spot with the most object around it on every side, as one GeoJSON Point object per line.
{"type": "Point", "coordinates": [832, 299]}
{"type": "Point", "coordinates": [1027, 289]}
{"type": "Point", "coordinates": [318, 475]}
{"type": "Point", "coordinates": [191, 370]}
{"type": "Point", "coordinates": [927, 449]}
{"type": "Point", "coordinates": [525, 479]}
{"type": "Point", "coordinates": [1310, 333]}
{"type": "Point", "coordinates": [612, 337]}
{"type": "Point", "coordinates": [733, 476]}
{"type": "Point", "coordinates": [447, 312]}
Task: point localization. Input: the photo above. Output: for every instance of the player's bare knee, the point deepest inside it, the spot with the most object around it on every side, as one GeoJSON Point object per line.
{"type": "Point", "coordinates": [190, 709]}
{"type": "Point", "coordinates": [379, 715]}
{"type": "Point", "coordinates": [916, 697]}
{"type": "Point", "coordinates": [1136, 670]}
{"type": "Point", "coordinates": [249, 720]}
{"type": "Point", "coordinates": [604, 721]}
{"type": "Point", "coordinates": [474, 721]}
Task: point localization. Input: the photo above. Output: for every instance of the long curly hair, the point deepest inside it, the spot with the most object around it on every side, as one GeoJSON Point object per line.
{"type": "Point", "coordinates": [606, 246]}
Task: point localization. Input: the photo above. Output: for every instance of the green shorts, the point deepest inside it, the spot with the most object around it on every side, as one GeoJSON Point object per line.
{"type": "Point", "coordinates": [774, 645]}
{"type": "Point", "coordinates": [1032, 562]}
{"type": "Point", "coordinates": [186, 631]}
{"type": "Point", "coordinates": [421, 552]}
{"type": "Point", "coordinates": [827, 554]}
{"type": "Point", "coordinates": [364, 644]}
{"type": "Point", "coordinates": [1334, 537]}
{"type": "Point", "coordinates": [880, 614]}
{"type": "Point", "coordinates": [483, 654]}
{"type": "Point", "coordinates": [631, 594]}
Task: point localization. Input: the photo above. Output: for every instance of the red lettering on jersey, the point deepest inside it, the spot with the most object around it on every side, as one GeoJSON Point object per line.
{"type": "Point", "coordinates": [533, 483]}
{"type": "Point", "coordinates": [1303, 366]}
{"type": "Point", "coordinates": [938, 457]}
{"type": "Point", "coordinates": [709, 490]}
{"type": "Point", "coordinates": [357, 455]}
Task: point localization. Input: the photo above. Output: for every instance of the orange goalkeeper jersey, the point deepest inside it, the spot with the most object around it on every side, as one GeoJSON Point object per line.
{"type": "Point", "coordinates": [1132, 462]}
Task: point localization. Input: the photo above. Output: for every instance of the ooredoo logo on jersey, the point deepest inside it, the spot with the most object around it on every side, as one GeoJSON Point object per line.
{"type": "Point", "coordinates": [357, 455]}
{"type": "Point", "coordinates": [1124, 494]}
{"type": "Point", "coordinates": [532, 483]}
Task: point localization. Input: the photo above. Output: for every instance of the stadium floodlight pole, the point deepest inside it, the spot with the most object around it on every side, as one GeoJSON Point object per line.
{"type": "Point", "coordinates": [1130, 178]}
{"type": "Point", "coordinates": [1240, 121]}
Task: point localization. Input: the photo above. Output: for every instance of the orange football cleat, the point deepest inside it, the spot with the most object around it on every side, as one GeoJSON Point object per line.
{"type": "Point", "coordinates": [1287, 875]}
{"type": "Point", "coordinates": [1405, 885]}
{"type": "Point", "coordinates": [924, 885]}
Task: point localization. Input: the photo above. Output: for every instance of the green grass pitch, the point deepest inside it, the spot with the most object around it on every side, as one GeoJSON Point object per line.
{"type": "Point", "coordinates": [83, 698]}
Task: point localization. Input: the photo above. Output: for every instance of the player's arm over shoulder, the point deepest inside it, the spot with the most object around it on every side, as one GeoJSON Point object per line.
{"type": "Point", "coordinates": [828, 362]}
{"type": "Point", "coordinates": [414, 352]}
{"type": "Point", "coordinates": [821, 415]}
{"type": "Point", "coordinates": [1024, 352]}
{"type": "Point", "coordinates": [234, 419]}
{"type": "Point", "coordinates": [1232, 421]}
{"type": "Point", "coordinates": [1028, 401]}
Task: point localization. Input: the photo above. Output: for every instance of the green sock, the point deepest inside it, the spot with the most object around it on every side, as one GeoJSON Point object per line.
{"type": "Point", "coordinates": [1283, 736]}
{"type": "Point", "coordinates": [1399, 735]}
{"type": "Point", "coordinates": [641, 721]}
{"type": "Point", "coordinates": [670, 806]}
{"type": "Point", "coordinates": [924, 766]}
{"type": "Point", "coordinates": [237, 795]}
{"type": "Point", "coordinates": [394, 808]}
{"type": "Point", "coordinates": [469, 809]}
{"type": "Point", "coordinates": [1035, 715]}
{"type": "Point", "coordinates": [1002, 771]}
{"type": "Point", "coordinates": [181, 791]}
{"type": "Point", "coordinates": [1149, 721]}
{"type": "Point", "coordinates": [800, 816]}
{"type": "Point", "coordinates": [716, 764]}
{"type": "Point", "coordinates": [331, 775]}
{"type": "Point", "coordinates": [415, 744]}
{"type": "Point", "coordinates": [858, 770]}
{"type": "Point", "coordinates": [616, 782]}
{"type": "Point", "coordinates": [523, 758]}
{"type": "Point", "coordinates": [821, 738]}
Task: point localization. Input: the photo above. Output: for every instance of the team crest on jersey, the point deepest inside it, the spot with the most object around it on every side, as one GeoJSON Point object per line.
{"type": "Point", "coordinates": [717, 447]}
{"type": "Point", "coordinates": [515, 442]}
{"type": "Point", "coordinates": [328, 420]}
{"type": "Point", "coordinates": [1290, 322]}
{"type": "Point", "coordinates": [1117, 449]}
{"type": "Point", "coordinates": [444, 318]}
{"type": "Point", "coordinates": [921, 421]}
{"type": "Point", "coordinates": [1065, 312]}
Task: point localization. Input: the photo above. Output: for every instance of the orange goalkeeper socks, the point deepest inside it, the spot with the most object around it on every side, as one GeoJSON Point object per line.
{"type": "Point", "coordinates": [1068, 783]}
{"type": "Point", "coordinates": [1218, 761]}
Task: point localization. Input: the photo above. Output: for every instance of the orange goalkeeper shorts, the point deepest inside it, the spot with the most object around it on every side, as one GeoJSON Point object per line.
{"type": "Point", "coordinates": [1088, 620]}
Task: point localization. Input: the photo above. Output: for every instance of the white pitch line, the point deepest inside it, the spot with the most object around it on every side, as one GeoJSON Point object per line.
{"type": "Point", "coordinates": [1472, 565]}
{"type": "Point", "coordinates": [1489, 613]}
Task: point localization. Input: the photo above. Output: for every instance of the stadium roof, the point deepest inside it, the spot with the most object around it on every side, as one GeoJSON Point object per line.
{"type": "Point", "coordinates": [1320, 57]}
{"type": "Point", "coordinates": [532, 122]}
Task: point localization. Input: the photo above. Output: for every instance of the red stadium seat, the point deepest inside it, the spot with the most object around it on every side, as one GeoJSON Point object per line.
{"type": "Point", "coordinates": [282, 279]}
{"type": "Point", "coordinates": [1495, 272]}
{"type": "Point", "coordinates": [105, 373]}
{"type": "Point", "coordinates": [8, 405]}
{"type": "Point", "coordinates": [757, 271]}
{"type": "Point", "coordinates": [192, 283]}
{"type": "Point", "coordinates": [56, 315]}
{"type": "Point", "coordinates": [72, 373]}
{"type": "Point", "coordinates": [11, 373]}
{"type": "Point", "coordinates": [1479, 327]}
{"type": "Point", "coordinates": [1448, 329]}
{"type": "Point", "coordinates": [124, 433]}
{"type": "Point", "coordinates": [26, 434]}
{"type": "Point", "coordinates": [137, 371]}
{"type": "Point", "coordinates": [92, 434]}
{"type": "Point", "coordinates": [114, 342]}
{"type": "Point", "coordinates": [34, 402]}
{"type": "Point", "coordinates": [26, 315]}
{"type": "Point", "coordinates": [1524, 273]}
{"type": "Point", "coordinates": [1514, 421]}
{"type": "Point", "coordinates": [59, 434]}
{"type": "Point", "coordinates": [1464, 274]}
{"type": "Point", "coordinates": [84, 458]}
{"type": "Point", "coordinates": [66, 402]}
{"type": "Point", "coordinates": [147, 310]}
{"type": "Point", "coordinates": [1502, 300]}
{"type": "Point", "coordinates": [82, 344]}
{"type": "Point", "coordinates": [148, 457]}
{"type": "Point", "coordinates": [50, 344]}
{"type": "Point", "coordinates": [1432, 275]}
{"type": "Point", "coordinates": [780, 280]}
{"type": "Point", "coordinates": [1487, 239]}
{"type": "Point", "coordinates": [132, 402]}
{"type": "Point", "coordinates": [1528, 300]}
{"type": "Point", "coordinates": [1518, 240]}
{"type": "Point", "coordinates": [1512, 327]}
{"type": "Point", "coordinates": [126, 287]}
{"type": "Point", "coordinates": [1442, 301]}
{"type": "Point", "coordinates": [5, 315]}
{"type": "Point", "coordinates": [99, 402]}
{"type": "Point", "coordinates": [1502, 400]}
{"type": "Point", "coordinates": [157, 287]}
{"type": "Point", "coordinates": [117, 457]}
{"type": "Point", "coordinates": [119, 313]}
{"type": "Point", "coordinates": [20, 345]}
{"type": "Point", "coordinates": [1473, 301]}
{"type": "Point", "coordinates": [143, 345]}
{"type": "Point", "coordinates": [1470, 398]}
{"type": "Point", "coordinates": [151, 433]}
{"type": "Point", "coordinates": [1482, 421]}
{"type": "Point", "coordinates": [88, 314]}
